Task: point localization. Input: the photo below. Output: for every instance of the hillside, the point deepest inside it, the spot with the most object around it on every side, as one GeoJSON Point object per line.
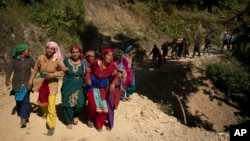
{"type": "Point", "coordinates": [197, 92]}
{"type": "Point", "coordinates": [141, 118]}
{"type": "Point", "coordinates": [204, 106]}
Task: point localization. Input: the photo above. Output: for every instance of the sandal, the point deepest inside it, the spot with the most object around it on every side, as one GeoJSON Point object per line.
{"type": "Point", "coordinates": [23, 123]}
{"type": "Point", "coordinates": [108, 128]}
{"type": "Point", "coordinates": [50, 131]}
{"type": "Point", "coordinates": [44, 116]}
{"type": "Point", "coordinates": [76, 119]}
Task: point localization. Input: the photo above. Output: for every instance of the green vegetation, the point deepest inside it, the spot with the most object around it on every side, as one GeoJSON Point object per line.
{"type": "Point", "coordinates": [62, 20]}
{"type": "Point", "coordinates": [167, 107]}
{"type": "Point", "coordinates": [198, 18]}
{"type": "Point", "coordinates": [233, 80]}
{"type": "Point", "coordinates": [233, 77]}
{"type": "Point", "coordinates": [59, 20]}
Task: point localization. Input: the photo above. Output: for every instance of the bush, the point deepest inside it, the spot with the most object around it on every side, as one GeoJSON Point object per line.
{"type": "Point", "coordinates": [62, 20]}
{"type": "Point", "coordinates": [232, 80]}
{"type": "Point", "coordinates": [167, 107]}
{"type": "Point", "coordinates": [3, 3]}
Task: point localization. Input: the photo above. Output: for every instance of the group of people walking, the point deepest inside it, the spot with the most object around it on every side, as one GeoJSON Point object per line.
{"type": "Point", "coordinates": [159, 58]}
{"type": "Point", "coordinates": [228, 41]}
{"type": "Point", "coordinates": [179, 48]}
{"type": "Point", "coordinates": [94, 84]}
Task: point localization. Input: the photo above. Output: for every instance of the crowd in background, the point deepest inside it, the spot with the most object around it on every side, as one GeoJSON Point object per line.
{"type": "Point", "coordinates": [181, 48]}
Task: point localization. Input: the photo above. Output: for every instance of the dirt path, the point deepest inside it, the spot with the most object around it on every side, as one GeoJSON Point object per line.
{"type": "Point", "coordinates": [139, 119]}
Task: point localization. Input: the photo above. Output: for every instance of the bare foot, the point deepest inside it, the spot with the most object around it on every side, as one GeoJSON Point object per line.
{"type": "Point", "coordinates": [129, 98]}
{"type": "Point", "coordinates": [99, 130]}
{"type": "Point", "coordinates": [76, 119]}
{"type": "Point", "coordinates": [69, 126]}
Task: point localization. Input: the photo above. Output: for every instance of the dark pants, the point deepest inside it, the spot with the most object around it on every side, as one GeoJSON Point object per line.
{"type": "Point", "coordinates": [225, 43]}
{"type": "Point", "coordinates": [164, 57]}
{"type": "Point", "coordinates": [196, 50]}
{"type": "Point", "coordinates": [71, 112]}
{"type": "Point", "coordinates": [23, 107]}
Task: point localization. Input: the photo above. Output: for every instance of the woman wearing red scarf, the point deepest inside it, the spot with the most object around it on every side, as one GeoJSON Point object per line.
{"type": "Point", "coordinates": [101, 76]}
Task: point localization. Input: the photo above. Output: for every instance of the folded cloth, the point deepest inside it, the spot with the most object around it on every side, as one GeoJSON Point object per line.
{"type": "Point", "coordinates": [20, 95]}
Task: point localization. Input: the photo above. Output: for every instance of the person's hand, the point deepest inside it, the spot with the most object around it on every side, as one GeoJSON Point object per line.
{"type": "Point", "coordinates": [65, 69]}
{"type": "Point", "coordinates": [88, 82]}
{"type": "Point", "coordinates": [112, 87]}
{"type": "Point", "coordinates": [7, 82]}
{"type": "Point", "coordinates": [30, 85]}
{"type": "Point", "coordinates": [50, 75]}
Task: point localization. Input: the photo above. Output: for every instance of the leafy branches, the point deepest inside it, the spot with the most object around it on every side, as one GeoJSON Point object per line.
{"type": "Point", "coordinates": [60, 19]}
{"type": "Point", "coordinates": [242, 33]}
{"type": "Point", "coordinates": [231, 79]}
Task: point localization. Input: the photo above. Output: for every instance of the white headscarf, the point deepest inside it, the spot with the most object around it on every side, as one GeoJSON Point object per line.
{"type": "Point", "coordinates": [57, 54]}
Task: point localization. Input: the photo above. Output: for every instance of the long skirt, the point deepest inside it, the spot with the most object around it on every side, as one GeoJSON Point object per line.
{"type": "Point", "coordinates": [97, 117]}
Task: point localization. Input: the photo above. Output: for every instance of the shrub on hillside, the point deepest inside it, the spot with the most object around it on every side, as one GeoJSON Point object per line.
{"type": "Point", "coordinates": [232, 80]}
{"type": "Point", "coordinates": [3, 3]}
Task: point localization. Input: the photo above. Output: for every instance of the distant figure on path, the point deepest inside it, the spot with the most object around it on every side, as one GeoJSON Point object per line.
{"type": "Point", "coordinates": [207, 46]}
{"type": "Point", "coordinates": [226, 41]}
{"type": "Point", "coordinates": [196, 48]}
{"type": "Point", "coordinates": [164, 49]}
{"type": "Point", "coordinates": [155, 51]}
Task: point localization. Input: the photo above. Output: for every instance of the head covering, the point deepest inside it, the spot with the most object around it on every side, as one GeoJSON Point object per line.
{"type": "Point", "coordinates": [73, 47]}
{"type": "Point", "coordinates": [130, 47]}
{"type": "Point", "coordinates": [57, 53]}
{"type": "Point", "coordinates": [90, 53]}
{"type": "Point", "coordinates": [117, 53]}
{"type": "Point", "coordinates": [17, 52]}
{"type": "Point", "coordinates": [107, 50]}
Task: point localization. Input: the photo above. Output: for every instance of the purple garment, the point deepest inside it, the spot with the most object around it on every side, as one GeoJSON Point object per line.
{"type": "Point", "coordinates": [111, 107]}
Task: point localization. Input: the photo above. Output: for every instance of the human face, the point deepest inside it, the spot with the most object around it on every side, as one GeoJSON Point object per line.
{"type": "Point", "coordinates": [119, 59]}
{"type": "Point", "coordinates": [91, 58]}
{"type": "Point", "coordinates": [50, 51]}
{"type": "Point", "coordinates": [26, 53]}
{"type": "Point", "coordinates": [75, 54]}
{"type": "Point", "coordinates": [132, 52]}
{"type": "Point", "coordinates": [107, 58]}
